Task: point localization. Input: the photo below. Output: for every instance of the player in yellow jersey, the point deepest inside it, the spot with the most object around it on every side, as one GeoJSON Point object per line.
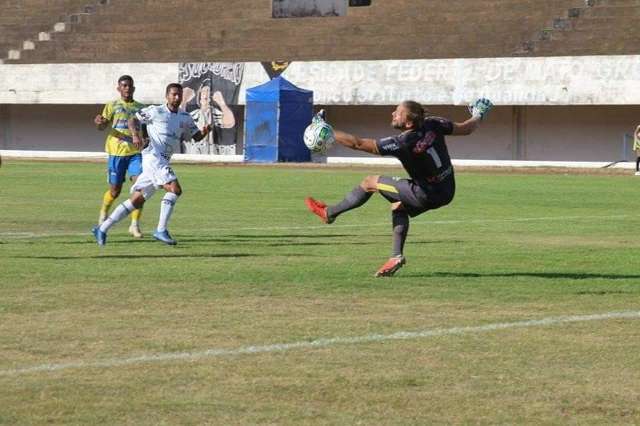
{"type": "Point", "coordinates": [124, 155]}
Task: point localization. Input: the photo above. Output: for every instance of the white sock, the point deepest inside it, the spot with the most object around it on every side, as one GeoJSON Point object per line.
{"type": "Point", "coordinates": [166, 208]}
{"type": "Point", "coordinates": [123, 210]}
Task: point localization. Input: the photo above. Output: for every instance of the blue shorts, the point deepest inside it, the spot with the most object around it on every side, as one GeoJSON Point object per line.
{"type": "Point", "coordinates": [120, 167]}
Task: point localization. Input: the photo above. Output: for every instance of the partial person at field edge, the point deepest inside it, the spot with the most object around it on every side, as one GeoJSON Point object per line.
{"type": "Point", "coordinates": [636, 149]}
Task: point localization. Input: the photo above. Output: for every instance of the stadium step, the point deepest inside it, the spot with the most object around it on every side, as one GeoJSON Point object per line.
{"type": "Point", "coordinates": [608, 25]}
{"type": "Point", "coordinates": [98, 31]}
{"type": "Point", "coordinates": [36, 27]}
{"type": "Point", "coordinates": [107, 30]}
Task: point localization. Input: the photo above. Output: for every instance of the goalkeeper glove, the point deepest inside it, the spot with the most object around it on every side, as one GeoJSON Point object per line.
{"type": "Point", "coordinates": [319, 117]}
{"type": "Point", "coordinates": [480, 108]}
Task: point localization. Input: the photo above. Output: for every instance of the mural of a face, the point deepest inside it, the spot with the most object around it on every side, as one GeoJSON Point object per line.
{"type": "Point", "coordinates": [187, 95]}
{"type": "Point", "coordinates": [204, 97]}
{"type": "Point", "coordinates": [209, 88]}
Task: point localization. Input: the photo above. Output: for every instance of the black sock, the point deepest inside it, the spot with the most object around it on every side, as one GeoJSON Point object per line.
{"type": "Point", "coordinates": [400, 220]}
{"type": "Point", "coordinates": [353, 200]}
{"type": "Point", "coordinates": [638, 164]}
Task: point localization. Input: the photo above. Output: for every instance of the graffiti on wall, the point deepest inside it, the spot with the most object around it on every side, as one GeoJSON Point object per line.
{"type": "Point", "coordinates": [275, 68]}
{"type": "Point", "coordinates": [208, 88]}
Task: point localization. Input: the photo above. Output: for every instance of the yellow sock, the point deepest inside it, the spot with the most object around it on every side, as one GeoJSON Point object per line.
{"type": "Point", "coordinates": [107, 201]}
{"type": "Point", "coordinates": [135, 215]}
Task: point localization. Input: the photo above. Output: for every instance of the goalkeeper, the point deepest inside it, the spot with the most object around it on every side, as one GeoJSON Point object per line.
{"type": "Point", "coordinates": [421, 149]}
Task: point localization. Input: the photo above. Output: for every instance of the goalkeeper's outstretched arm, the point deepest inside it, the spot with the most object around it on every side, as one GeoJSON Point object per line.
{"type": "Point", "coordinates": [478, 110]}
{"type": "Point", "coordinates": [354, 142]}
{"type": "Point", "coordinates": [466, 127]}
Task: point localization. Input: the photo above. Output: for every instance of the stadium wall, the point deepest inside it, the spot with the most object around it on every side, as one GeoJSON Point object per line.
{"type": "Point", "coordinates": [583, 80]}
{"type": "Point", "coordinates": [558, 133]}
{"type": "Point", "coordinates": [564, 108]}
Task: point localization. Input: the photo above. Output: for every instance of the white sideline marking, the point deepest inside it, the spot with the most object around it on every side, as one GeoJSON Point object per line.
{"type": "Point", "coordinates": [30, 235]}
{"type": "Point", "coordinates": [319, 343]}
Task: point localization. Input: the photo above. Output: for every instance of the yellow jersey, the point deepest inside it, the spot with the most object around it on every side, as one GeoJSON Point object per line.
{"type": "Point", "coordinates": [119, 141]}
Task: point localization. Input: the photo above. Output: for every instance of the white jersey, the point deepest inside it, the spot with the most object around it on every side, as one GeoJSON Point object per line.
{"type": "Point", "coordinates": [166, 130]}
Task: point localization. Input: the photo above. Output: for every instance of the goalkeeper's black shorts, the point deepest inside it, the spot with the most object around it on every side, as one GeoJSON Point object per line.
{"type": "Point", "coordinates": [415, 198]}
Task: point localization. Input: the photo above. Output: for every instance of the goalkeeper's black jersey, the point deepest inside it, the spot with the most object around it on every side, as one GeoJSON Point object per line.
{"type": "Point", "coordinates": [423, 152]}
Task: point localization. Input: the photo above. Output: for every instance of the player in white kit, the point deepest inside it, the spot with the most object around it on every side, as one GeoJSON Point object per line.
{"type": "Point", "coordinates": [166, 126]}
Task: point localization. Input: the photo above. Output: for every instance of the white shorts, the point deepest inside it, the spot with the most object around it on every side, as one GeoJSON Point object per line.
{"type": "Point", "coordinates": [154, 175]}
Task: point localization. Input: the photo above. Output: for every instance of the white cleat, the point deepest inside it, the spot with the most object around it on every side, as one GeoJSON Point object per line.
{"type": "Point", "coordinates": [135, 232]}
{"type": "Point", "coordinates": [637, 173]}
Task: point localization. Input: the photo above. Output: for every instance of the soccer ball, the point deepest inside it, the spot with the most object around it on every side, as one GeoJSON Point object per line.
{"type": "Point", "coordinates": [318, 136]}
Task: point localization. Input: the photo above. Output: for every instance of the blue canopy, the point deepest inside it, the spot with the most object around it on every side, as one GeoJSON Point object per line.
{"type": "Point", "coordinates": [279, 89]}
{"type": "Point", "coordinates": [276, 116]}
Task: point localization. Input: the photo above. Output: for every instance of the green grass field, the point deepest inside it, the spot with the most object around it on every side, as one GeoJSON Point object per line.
{"type": "Point", "coordinates": [142, 333]}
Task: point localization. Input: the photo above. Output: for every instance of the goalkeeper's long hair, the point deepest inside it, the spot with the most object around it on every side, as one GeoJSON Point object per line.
{"type": "Point", "coordinates": [416, 113]}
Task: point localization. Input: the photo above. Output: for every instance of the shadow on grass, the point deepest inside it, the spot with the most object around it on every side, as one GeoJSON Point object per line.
{"type": "Point", "coordinates": [167, 255]}
{"type": "Point", "coordinates": [266, 239]}
{"type": "Point", "coordinates": [546, 275]}
{"type": "Point", "coordinates": [283, 240]}
{"type": "Point", "coordinates": [352, 243]}
{"type": "Point", "coordinates": [273, 237]}
{"type": "Point", "coordinates": [224, 239]}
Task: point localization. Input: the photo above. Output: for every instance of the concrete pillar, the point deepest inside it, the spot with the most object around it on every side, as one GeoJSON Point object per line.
{"type": "Point", "coordinates": [5, 126]}
{"type": "Point", "coordinates": [519, 133]}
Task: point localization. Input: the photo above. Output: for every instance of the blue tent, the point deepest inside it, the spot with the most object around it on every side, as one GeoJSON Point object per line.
{"type": "Point", "coordinates": [277, 113]}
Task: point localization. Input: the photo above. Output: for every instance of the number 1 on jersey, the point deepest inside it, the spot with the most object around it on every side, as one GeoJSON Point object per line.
{"type": "Point", "coordinates": [436, 158]}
